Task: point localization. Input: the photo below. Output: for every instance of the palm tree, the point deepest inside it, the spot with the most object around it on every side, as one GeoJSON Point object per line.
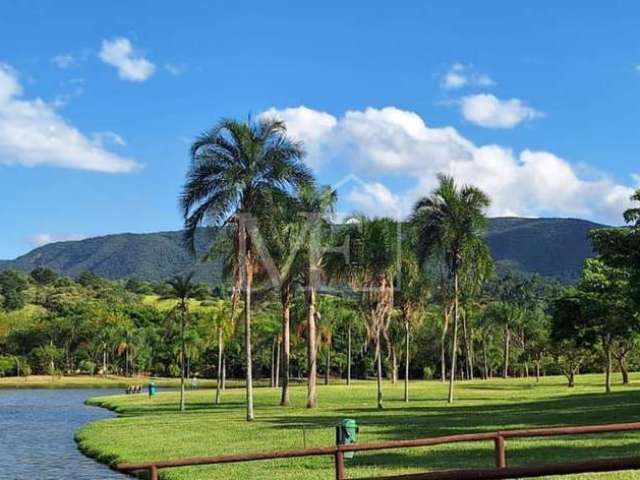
{"type": "Point", "coordinates": [373, 263]}
{"type": "Point", "coordinates": [238, 169]}
{"type": "Point", "coordinates": [632, 215]}
{"type": "Point", "coordinates": [449, 222]}
{"type": "Point", "coordinates": [411, 296]}
{"type": "Point", "coordinates": [182, 289]}
{"type": "Point", "coordinates": [316, 206]}
{"type": "Point", "coordinates": [285, 238]}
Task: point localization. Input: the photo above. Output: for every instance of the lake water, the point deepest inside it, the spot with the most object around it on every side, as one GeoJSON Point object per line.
{"type": "Point", "coordinates": [36, 435]}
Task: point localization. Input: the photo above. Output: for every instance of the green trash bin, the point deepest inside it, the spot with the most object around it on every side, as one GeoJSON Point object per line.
{"type": "Point", "coordinates": [152, 389]}
{"type": "Point", "coordinates": [347, 433]}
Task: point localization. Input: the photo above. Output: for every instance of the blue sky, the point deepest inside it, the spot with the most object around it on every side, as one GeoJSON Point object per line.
{"type": "Point", "coordinates": [537, 104]}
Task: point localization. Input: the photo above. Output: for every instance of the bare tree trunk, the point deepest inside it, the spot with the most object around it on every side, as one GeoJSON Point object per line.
{"type": "Point", "coordinates": [224, 371]}
{"type": "Point", "coordinates": [312, 397]}
{"type": "Point", "coordinates": [277, 364]}
{"type": "Point", "coordinates": [379, 375]}
{"type": "Point", "coordinates": [467, 346]}
{"type": "Point", "coordinates": [182, 354]}
{"type": "Point", "coordinates": [607, 350]}
{"type": "Point", "coordinates": [247, 337]}
{"type": "Point", "coordinates": [286, 347]}
{"type": "Point", "coordinates": [327, 365]}
{"type": "Point", "coordinates": [273, 364]}
{"type": "Point", "coordinates": [505, 360]}
{"type": "Point", "coordinates": [407, 338]}
{"type": "Point", "coordinates": [443, 356]}
{"type": "Point", "coordinates": [349, 354]}
{"type": "Point", "coordinates": [220, 353]}
{"type": "Point", "coordinates": [485, 363]}
{"type": "Point", "coordinates": [394, 366]}
{"type": "Point", "coordinates": [622, 362]}
{"type": "Point", "coordinates": [454, 353]}
{"type": "Point", "coordinates": [104, 361]}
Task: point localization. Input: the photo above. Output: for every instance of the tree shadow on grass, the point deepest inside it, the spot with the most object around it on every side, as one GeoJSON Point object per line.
{"type": "Point", "coordinates": [401, 421]}
{"type": "Point", "coordinates": [481, 456]}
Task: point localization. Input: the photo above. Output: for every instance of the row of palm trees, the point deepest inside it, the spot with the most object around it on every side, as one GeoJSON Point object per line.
{"type": "Point", "coordinates": [250, 178]}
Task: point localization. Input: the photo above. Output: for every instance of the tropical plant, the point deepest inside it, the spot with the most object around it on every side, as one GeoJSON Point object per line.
{"type": "Point", "coordinates": [449, 223]}
{"type": "Point", "coordinates": [182, 289]}
{"type": "Point", "coordinates": [238, 169]}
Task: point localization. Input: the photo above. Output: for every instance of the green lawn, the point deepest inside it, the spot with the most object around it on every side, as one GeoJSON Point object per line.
{"type": "Point", "coordinates": [152, 428]}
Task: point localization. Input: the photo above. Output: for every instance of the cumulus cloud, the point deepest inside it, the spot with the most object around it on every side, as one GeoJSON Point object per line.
{"type": "Point", "coordinates": [40, 239]}
{"type": "Point", "coordinates": [459, 76]}
{"type": "Point", "coordinates": [487, 110]}
{"type": "Point", "coordinates": [386, 143]}
{"type": "Point", "coordinates": [33, 133]}
{"type": "Point", "coordinates": [131, 65]}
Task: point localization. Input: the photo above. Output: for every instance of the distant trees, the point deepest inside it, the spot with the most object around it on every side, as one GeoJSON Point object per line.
{"type": "Point", "coordinates": [13, 285]}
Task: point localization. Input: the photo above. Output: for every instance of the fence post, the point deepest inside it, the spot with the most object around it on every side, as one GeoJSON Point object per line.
{"type": "Point", "coordinates": [153, 473]}
{"type": "Point", "coordinates": [501, 454]}
{"type": "Point", "coordinates": [339, 456]}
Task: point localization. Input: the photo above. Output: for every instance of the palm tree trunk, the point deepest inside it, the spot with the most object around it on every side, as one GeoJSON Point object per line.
{"type": "Point", "coordinates": [182, 353]}
{"type": "Point", "coordinates": [379, 375]}
{"type": "Point", "coordinates": [286, 348]}
{"type": "Point", "coordinates": [277, 364]}
{"type": "Point", "coordinates": [220, 353]}
{"type": "Point", "coordinates": [406, 360]}
{"type": "Point", "coordinates": [507, 339]}
{"type": "Point", "coordinates": [443, 356]}
{"type": "Point", "coordinates": [328, 365]}
{"type": "Point", "coordinates": [349, 354]}
{"type": "Point", "coordinates": [312, 398]}
{"type": "Point", "coordinates": [455, 338]}
{"type": "Point", "coordinates": [247, 337]}
{"type": "Point", "coordinates": [273, 363]}
{"type": "Point", "coordinates": [224, 371]}
{"type": "Point", "coordinates": [622, 363]}
{"type": "Point", "coordinates": [485, 363]}
{"type": "Point", "coordinates": [607, 350]}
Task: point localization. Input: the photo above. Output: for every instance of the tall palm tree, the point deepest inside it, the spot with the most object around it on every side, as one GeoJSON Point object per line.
{"type": "Point", "coordinates": [238, 169]}
{"type": "Point", "coordinates": [316, 206]}
{"type": "Point", "coordinates": [450, 222]}
{"type": "Point", "coordinates": [182, 288]}
{"type": "Point", "coordinates": [410, 297]}
{"type": "Point", "coordinates": [373, 263]}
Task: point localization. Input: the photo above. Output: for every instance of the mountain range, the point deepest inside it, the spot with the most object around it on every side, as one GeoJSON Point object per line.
{"type": "Point", "coordinates": [551, 247]}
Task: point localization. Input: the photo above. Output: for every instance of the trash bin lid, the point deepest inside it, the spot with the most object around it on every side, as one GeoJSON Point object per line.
{"type": "Point", "coordinates": [349, 423]}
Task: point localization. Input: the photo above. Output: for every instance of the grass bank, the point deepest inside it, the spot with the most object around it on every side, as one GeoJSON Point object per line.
{"type": "Point", "coordinates": [88, 381]}
{"type": "Point", "coordinates": [151, 428]}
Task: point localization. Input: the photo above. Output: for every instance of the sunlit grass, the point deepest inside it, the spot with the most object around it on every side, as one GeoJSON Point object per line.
{"type": "Point", "coordinates": [151, 428]}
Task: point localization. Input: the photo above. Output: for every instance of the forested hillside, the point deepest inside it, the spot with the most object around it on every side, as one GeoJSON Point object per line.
{"type": "Point", "coordinates": [552, 247]}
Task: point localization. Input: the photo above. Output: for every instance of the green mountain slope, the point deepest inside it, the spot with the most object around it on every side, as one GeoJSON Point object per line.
{"type": "Point", "coordinates": [550, 247]}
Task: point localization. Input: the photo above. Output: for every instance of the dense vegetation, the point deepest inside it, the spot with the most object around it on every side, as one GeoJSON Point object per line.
{"type": "Point", "coordinates": [550, 247]}
{"type": "Point", "coordinates": [304, 297]}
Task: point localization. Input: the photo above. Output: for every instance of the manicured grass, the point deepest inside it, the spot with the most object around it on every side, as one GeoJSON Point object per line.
{"type": "Point", "coordinates": [88, 381]}
{"type": "Point", "coordinates": [151, 428]}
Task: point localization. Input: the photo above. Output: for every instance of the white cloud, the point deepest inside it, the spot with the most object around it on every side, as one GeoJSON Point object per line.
{"type": "Point", "coordinates": [64, 60]}
{"type": "Point", "coordinates": [33, 133]}
{"type": "Point", "coordinates": [108, 138]}
{"type": "Point", "coordinates": [459, 76]}
{"type": "Point", "coordinates": [380, 144]}
{"type": "Point", "coordinates": [487, 110]}
{"type": "Point", "coordinates": [40, 239]}
{"type": "Point", "coordinates": [375, 197]}
{"type": "Point", "coordinates": [131, 65]}
{"type": "Point", "coordinates": [308, 124]}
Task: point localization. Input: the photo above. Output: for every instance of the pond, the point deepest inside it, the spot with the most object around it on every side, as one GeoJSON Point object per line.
{"type": "Point", "coordinates": [36, 434]}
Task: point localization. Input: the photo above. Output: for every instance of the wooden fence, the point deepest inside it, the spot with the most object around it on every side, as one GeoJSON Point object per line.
{"type": "Point", "coordinates": [501, 471]}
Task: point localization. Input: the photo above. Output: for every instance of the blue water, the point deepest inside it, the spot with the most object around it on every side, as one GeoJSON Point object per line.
{"type": "Point", "coordinates": [36, 435]}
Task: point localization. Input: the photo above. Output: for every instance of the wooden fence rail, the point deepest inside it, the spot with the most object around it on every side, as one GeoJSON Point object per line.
{"type": "Point", "coordinates": [502, 471]}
